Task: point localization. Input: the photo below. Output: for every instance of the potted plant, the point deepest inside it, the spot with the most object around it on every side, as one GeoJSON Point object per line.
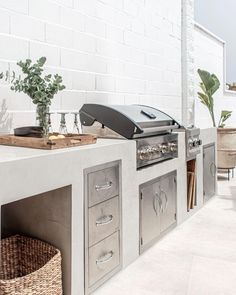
{"type": "Point", "coordinates": [39, 87]}
{"type": "Point", "coordinates": [226, 143]}
{"type": "Point", "coordinates": [209, 85]}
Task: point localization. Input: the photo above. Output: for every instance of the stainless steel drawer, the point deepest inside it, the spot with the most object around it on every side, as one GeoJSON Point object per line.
{"type": "Point", "coordinates": [103, 220]}
{"type": "Point", "coordinates": [103, 185]}
{"type": "Point", "coordinates": [103, 258]}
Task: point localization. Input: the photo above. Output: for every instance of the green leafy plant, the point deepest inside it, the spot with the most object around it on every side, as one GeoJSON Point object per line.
{"type": "Point", "coordinates": [40, 88]}
{"type": "Point", "coordinates": [225, 115]}
{"type": "Point", "coordinates": [209, 85]}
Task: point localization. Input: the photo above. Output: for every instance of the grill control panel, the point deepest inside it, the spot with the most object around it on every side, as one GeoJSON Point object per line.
{"type": "Point", "coordinates": [156, 149]}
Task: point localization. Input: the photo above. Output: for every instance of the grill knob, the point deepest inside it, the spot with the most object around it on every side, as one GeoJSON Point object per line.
{"type": "Point", "coordinates": [156, 149]}
{"type": "Point", "coordinates": [144, 152]}
{"type": "Point", "coordinates": [190, 143]}
{"type": "Point", "coordinates": [199, 142]}
{"type": "Point", "coordinates": [163, 148]}
{"type": "Point", "coordinates": [173, 147]}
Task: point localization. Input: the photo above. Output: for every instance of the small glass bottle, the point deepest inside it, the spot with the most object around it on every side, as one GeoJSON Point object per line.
{"type": "Point", "coordinates": [50, 130]}
{"type": "Point", "coordinates": [63, 128]}
{"type": "Point", "coordinates": [77, 126]}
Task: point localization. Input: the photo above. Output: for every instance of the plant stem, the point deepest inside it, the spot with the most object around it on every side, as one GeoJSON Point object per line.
{"type": "Point", "coordinates": [213, 118]}
{"type": "Point", "coordinates": [42, 117]}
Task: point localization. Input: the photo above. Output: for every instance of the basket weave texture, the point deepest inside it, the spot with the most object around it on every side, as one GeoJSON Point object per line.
{"type": "Point", "coordinates": [29, 267]}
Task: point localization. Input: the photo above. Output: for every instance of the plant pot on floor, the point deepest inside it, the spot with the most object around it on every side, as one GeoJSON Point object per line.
{"type": "Point", "coordinates": [226, 146]}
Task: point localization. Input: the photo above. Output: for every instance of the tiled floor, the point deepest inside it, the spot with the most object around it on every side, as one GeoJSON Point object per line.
{"type": "Point", "coordinates": [197, 258]}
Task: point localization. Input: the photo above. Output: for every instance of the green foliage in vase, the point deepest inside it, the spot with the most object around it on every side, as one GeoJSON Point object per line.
{"type": "Point", "coordinates": [39, 87]}
{"type": "Point", "coordinates": [209, 85]}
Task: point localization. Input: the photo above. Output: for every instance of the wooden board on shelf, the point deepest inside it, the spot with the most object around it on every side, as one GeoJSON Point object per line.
{"type": "Point", "coordinates": [70, 140]}
{"type": "Point", "coordinates": [191, 166]}
{"type": "Point", "coordinates": [193, 192]}
{"type": "Point", "coordinates": [190, 189]}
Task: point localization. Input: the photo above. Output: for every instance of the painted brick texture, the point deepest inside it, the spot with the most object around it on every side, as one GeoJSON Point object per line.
{"type": "Point", "coordinates": [108, 51]}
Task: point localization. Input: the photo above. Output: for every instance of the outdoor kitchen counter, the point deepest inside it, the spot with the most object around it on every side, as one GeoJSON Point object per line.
{"type": "Point", "coordinates": [29, 172]}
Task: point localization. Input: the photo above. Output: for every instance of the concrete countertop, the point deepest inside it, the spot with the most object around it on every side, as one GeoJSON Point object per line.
{"type": "Point", "coordinates": [10, 153]}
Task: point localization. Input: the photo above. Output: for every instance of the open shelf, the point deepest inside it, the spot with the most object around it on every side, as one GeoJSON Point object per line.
{"type": "Point", "coordinates": [46, 217]}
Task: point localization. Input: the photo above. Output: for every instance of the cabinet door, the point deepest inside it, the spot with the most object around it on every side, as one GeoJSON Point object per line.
{"type": "Point", "coordinates": [209, 171]}
{"type": "Point", "coordinates": [150, 210]}
{"type": "Point", "coordinates": [168, 199]}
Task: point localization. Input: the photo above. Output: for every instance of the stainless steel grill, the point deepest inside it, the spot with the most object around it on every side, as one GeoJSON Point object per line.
{"type": "Point", "coordinates": [151, 128]}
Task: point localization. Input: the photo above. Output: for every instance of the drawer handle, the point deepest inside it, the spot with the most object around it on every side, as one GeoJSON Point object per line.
{"type": "Point", "coordinates": [105, 186]}
{"type": "Point", "coordinates": [104, 220]}
{"type": "Point", "coordinates": [105, 258]}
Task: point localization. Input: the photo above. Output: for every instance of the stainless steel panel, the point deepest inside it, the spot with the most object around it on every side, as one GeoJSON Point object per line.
{"type": "Point", "coordinates": [209, 171]}
{"type": "Point", "coordinates": [103, 220]}
{"type": "Point", "coordinates": [156, 141]}
{"type": "Point", "coordinates": [103, 184]}
{"type": "Point", "coordinates": [103, 258]}
{"type": "Point", "coordinates": [168, 194]}
{"type": "Point", "coordinates": [192, 143]}
{"type": "Point", "coordinates": [150, 211]}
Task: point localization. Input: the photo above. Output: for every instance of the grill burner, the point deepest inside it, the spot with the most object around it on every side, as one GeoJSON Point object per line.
{"type": "Point", "coordinates": [151, 128]}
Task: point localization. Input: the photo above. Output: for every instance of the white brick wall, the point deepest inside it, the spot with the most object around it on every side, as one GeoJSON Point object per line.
{"type": "Point", "coordinates": [188, 85]}
{"type": "Point", "coordinates": [209, 55]}
{"type": "Point", "coordinates": [108, 51]}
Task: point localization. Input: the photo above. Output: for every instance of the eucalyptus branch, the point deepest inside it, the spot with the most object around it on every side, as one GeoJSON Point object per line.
{"type": "Point", "coordinates": [40, 88]}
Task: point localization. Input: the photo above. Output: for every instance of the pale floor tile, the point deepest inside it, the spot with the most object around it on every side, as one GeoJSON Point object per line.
{"type": "Point", "coordinates": [155, 272]}
{"type": "Point", "coordinates": [197, 258]}
{"type": "Point", "coordinates": [212, 277]}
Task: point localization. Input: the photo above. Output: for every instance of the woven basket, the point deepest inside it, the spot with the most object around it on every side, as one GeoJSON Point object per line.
{"type": "Point", "coordinates": [29, 267]}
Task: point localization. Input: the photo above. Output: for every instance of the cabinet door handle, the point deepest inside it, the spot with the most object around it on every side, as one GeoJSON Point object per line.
{"type": "Point", "coordinates": [105, 186]}
{"type": "Point", "coordinates": [154, 203]}
{"type": "Point", "coordinates": [105, 258]}
{"type": "Point", "coordinates": [213, 172]}
{"type": "Point", "coordinates": [104, 220]}
{"type": "Point", "coordinates": [160, 203]}
{"type": "Point", "coordinates": [166, 199]}
{"type": "Point", "coordinates": [158, 199]}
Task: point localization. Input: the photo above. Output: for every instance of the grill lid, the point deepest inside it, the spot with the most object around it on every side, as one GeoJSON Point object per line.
{"type": "Point", "coordinates": [130, 121]}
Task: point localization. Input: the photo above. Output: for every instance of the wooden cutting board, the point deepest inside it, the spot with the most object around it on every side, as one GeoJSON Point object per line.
{"type": "Point", "coordinates": [70, 140]}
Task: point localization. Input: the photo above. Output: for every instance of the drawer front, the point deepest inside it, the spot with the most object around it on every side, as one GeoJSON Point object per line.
{"type": "Point", "coordinates": [103, 258]}
{"type": "Point", "coordinates": [103, 220]}
{"type": "Point", "coordinates": [103, 185]}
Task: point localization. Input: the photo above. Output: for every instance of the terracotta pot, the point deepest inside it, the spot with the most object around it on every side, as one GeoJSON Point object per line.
{"type": "Point", "coordinates": [226, 146]}
{"type": "Point", "coordinates": [226, 158]}
{"type": "Point", "coordinates": [226, 138]}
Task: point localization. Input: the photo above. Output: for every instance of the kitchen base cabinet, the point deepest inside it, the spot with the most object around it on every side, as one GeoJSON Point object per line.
{"type": "Point", "coordinates": [157, 209]}
{"type": "Point", "coordinates": [209, 172]}
{"type": "Point", "coordinates": [102, 224]}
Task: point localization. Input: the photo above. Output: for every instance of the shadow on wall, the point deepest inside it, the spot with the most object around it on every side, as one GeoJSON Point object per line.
{"type": "Point", "coordinates": [5, 118]}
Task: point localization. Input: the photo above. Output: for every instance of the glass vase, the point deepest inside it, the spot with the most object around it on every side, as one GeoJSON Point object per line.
{"type": "Point", "coordinates": [42, 119]}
